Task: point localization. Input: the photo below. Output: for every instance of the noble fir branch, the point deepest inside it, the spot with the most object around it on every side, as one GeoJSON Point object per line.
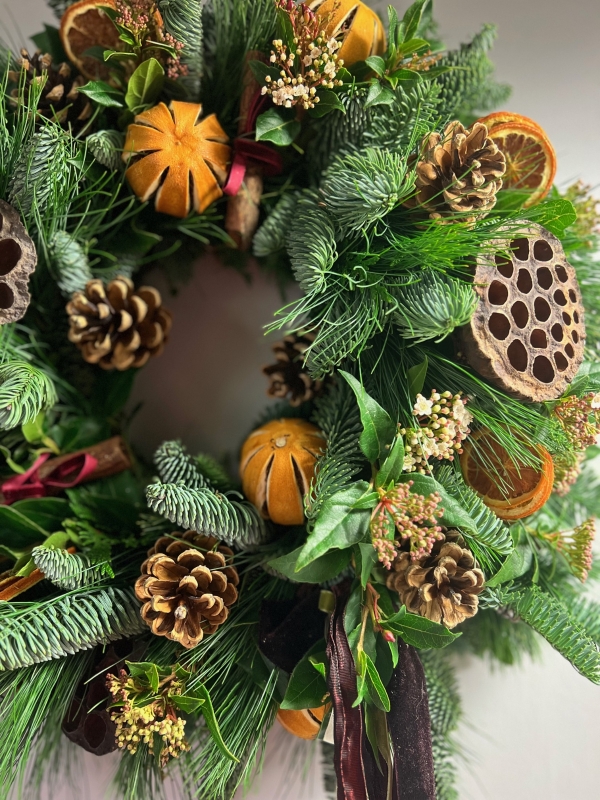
{"type": "Point", "coordinates": [214, 473]}
{"type": "Point", "coordinates": [468, 87]}
{"type": "Point", "coordinates": [433, 307]}
{"type": "Point", "coordinates": [39, 631]}
{"type": "Point", "coordinates": [272, 236]}
{"type": "Point", "coordinates": [413, 113]}
{"type": "Point", "coordinates": [183, 20]}
{"type": "Point", "coordinates": [209, 512]}
{"type": "Point", "coordinates": [68, 570]}
{"type": "Point", "coordinates": [69, 261]}
{"type": "Point", "coordinates": [107, 148]}
{"type": "Point", "coordinates": [175, 465]}
{"type": "Point", "coordinates": [24, 391]}
{"type": "Point", "coordinates": [360, 188]}
{"type": "Point", "coordinates": [552, 620]}
{"type": "Point", "coordinates": [337, 415]}
{"type": "Point", "coordinates": [311, 244]}
{"type": "Point", "coordinates": [499, 634]}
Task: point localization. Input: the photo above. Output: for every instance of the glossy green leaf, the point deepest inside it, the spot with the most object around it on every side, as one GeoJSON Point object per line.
{"type": "Point", "coordinates": [454, 515]}
{"type": "Point", "coordinates": [328, 101]}
{"type": "Point", "coordinates": [103, 94]}
{"type": "Point", "coordinates": [322, 569]}
{"type": "Point", "coordinates": [392, 467]}
{"type": "Point", "coordinates": [419, 631]}
{"type": "Point", "coordinates": [338, 526]}
{"type": "Point", "coordinates": [368, 500]}
{"type": "Point", "coordinates": [271, 126]}
{"type": "Point", "coordinates": [368, 558]}
{"type": "Point", "coordinates": [517, 564]}
{"type": "Point", "coordinates": [412, 19]}
{"type": "Point", "coordinates": [262, 71]}
{"type": "Point", "coordinates": [369, 683]}
{"type": "Point", "coordinates": [210, 718]}
{"type": "Point", "coordinates": [145, 85]}
{"type": "Point", "coordinates": [46, 512]}
{"type": "Point", "coordinates": [378, 428]}
{"type": "Point", "coordinates": [185, 703]}
{"type": "Point", "coordinates": [307, 687]}
{"type": "Point", "coordinates": [379, 96]}
{"type": "Point", "coordinates": [416, 378]}
{"type": "Point", "coordinates": [377, 64]}
{"type": "Point", "coordinates": [555, 215]}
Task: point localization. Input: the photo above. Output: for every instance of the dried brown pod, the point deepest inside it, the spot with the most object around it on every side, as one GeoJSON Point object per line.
{"type": "Point", "coordinates": [527, 334]}
{"type": "Point", "coordinates": [18, 259]}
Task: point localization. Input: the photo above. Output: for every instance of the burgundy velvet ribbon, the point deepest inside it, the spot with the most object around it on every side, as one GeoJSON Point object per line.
{"type": "Point", "coordinates": [248, 151]}
{"type": "Point", "coordinates": [67, 474]}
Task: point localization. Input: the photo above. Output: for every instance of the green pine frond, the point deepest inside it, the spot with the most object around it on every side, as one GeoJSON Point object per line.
{"type": "Point", "coordinates": [551, 618]}
{"type": "Point", "coordinates": [493, 541]}
{"type": "Point", "coordinates": [175, 465]}
{"type": "Point", "coordinates": [24, 391]}
{"type": "Point", "coordinates": [337, 132]}
{"type": "Point", "coordinates": [433, 307]}
{"type": "Point", "coordinates": [411, 116]}
{"type": "Point", "coordinates": [272, 236]}
{"type": "Point", "coordinates": [40, 631]}
{"type": "Point", "coordinates": [209, 512]}
{"type": "Point", "coordinates": [586, 612]}
{"type": "Point", "coordinates": [67, 570]}
{"type": "Point", "coordinates": [183, 20]}
{"type": "Point", "coordinates": [311, 244]}
{"type": "Point", "coordinates": [107, 148]}
{"type": "Point", "coordinates": [499, 634]}
{"type": "Point", "coordinates": [337, 415]}
{"type": "Point", "coordinates": [214, 473]}
{"type": "Point", "coordinates": [468, 87]}
{"type": "Point", "coordinates": [360, 188]}
{"type": "Point", "coordinates": [70, 262]}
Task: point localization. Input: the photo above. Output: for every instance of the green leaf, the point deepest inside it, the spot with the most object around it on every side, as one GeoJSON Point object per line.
{"type": "Point", "coordinates": [272, 127]}
{"type": "Point", "coordinates": [187, 704]}
{"type": "Point", "coordinates": [307, 687]}
{"type": "Point", "coordinates": [419, 631]}
{"type": "Point", "coordinates": [517, 564]}
{"type": "Point", "coordinates": [369, 684]}
{"type": "Point", "coordinates": [46, 512]}
{"type": "Point", "coordinates": [416, 378]}
{"type": "Point", "coordinates": [379, 96]}
{"type": "Point", "coordinates": [17, 532]}
{"type": "Point", "coordinates": [392, 467]}
{"type": "Point", "coordinates": [378, 428]}
{"type": "Point", "coordinates": [412, 19]}
{"type": "Point", "coordinates": [377, 64]}
{"type": "Point", "coordinates": [338, 526]}
{"type": "Point", "coordinates": [103, 94]}
{"type": "Point", "coordinates": [368, 558]}
{"type": "Point", "coordinates": [34, 431]}
{"type": "Point", "coordinates": [320, 570]}
{"type": "Point", "coordinates": [320, 665]}
{"type": "Point", "coordinates": [555, 215]}
{"type": "Point", "coordinates": [49, 41]}
{"type": "Point", "coordinates": [328, 101]}
{"type": "Point", "coordinates": [145, 85]}
{"type": "Point", "coordinates": [454, 515]}
{"type": "Point", "coordinates": [117, 55]}
{"type": "Point", "coordinates": [368, 500]}
{"type": "Point", "coordinates": [414, 45]}
{"type": "Point", "coordinates": [112, 391]}
{"type": "Point", "coordinates": [262, 71]}
{"type": "Point", "coordinates": [208, 713]}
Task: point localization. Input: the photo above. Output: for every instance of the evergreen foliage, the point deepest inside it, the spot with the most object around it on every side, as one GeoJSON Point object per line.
{"type": "Point", "coordinates": [213, 472]}
{"type": "Point", "coordinates": [39, 631]}
{"type": "Point", "coordinates": [183, 20]}
{"type": "Point", "coordinates": [175, 465]}
{"type": "Point", "coordinates": [24, 391]}
{"type": "Point", "coordinates": [208, 512]}
{"type": "Point", "coordinates": [272, 236]}
{"type": "Point", "coordinates": [107, 148]}
{"type": "Point", "coordinates": [42, 165]}
{"type": "Point", "coordinates": [67, 570]}
{"type": "Point", "coordinates": [70, 261]}
{"type": "Point", "coordinates": [311, 245]}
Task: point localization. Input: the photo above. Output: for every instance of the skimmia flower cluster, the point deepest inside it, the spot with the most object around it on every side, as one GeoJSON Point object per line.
{"type": "Point", "coordinates": [138, 724]}
{"type": "Point", "coordinates": [143, 20]}
{"type": "Point", "coordinates": [308, 63]}
{"type": "Point", "coordinates": [580, 419]}
{"type": "Point", "coordinates": [576, 547]}
{"type": "Point", "coordinates": [443, 425]}
{"type": "Point", "coordinates": [403, 517]}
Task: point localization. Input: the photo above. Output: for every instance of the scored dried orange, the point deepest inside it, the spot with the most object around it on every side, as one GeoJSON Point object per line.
{"type": "Point", "coordinates": [85, 25]}
{"type": "Point", "coordinates": [530, 157]}
{"type": "Point", "coordinates": [179, 156]}
{"type": "Point", "coordinates": [512, 490]}
{"type": "Point", "coordinates": [304, 723]}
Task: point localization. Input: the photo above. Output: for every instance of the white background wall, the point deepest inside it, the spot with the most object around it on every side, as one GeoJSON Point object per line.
{"type": "Point", "coordinates": [530, 732]}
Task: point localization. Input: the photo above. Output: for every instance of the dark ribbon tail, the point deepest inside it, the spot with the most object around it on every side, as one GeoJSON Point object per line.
{"type": "Point", "coordinates": [410, 728]}
{"type": "Point", "coordinates": [348, 721]}
{"type": "Point", "coordinates": [67, 474]}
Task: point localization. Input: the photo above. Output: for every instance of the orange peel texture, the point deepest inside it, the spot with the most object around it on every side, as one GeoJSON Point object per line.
{"type": "Point", "coordinates": [177, 157]}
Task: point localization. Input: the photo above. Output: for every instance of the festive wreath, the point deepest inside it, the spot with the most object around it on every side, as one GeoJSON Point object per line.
{"type": "Point", "coordinates": [422, 483]}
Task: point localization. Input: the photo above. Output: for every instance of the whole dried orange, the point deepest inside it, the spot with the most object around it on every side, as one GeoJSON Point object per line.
{"type": "Point", "coordinates": [85, 25]}
{"type": "Point", "coordinates": [530, 157]}
{"type": "Point", "coordinates": [512, 490]}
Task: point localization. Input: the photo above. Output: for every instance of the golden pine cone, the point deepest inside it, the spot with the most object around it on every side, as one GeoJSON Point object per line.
{"type": "Point", "coordinates": [118, 327]}
{"type": "Point", "coordinates": [288, 377]}
{"type": "Point", "coordinates": [187, 586]}
{"type": "Point", "coordinates": [444, 586]}
{"type": "Point", "coordinates": [458, 173]}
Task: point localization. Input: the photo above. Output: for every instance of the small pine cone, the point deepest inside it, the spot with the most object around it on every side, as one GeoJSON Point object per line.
{"type": "Point", "coordinates": [444, 586]}
{"type": "Point", "coordinates": [118, 327]}
{"type": "Point", "coordinates": [187, 586]}
{"type": "Point", "coordinates": [60, 100]}
{"type": "Point", "coordinates": [458, 173]}
{"type": "Point", "coordinates": [288, 377]}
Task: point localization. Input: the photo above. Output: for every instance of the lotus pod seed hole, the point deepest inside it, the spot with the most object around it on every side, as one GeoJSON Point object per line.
{"type": "Point", "coordinates": [10, 255]}
{"type": "Point", "coordinates": [543, 369]}
{"type": "Point", "coordinates": [561, 273]}
{"type": "Point", "coordinates": [524, 282]}
{"type": "Point", "coordinates": [569, 350]}
{"type": "Point", "coordinates": [538, 339]}
{"type": "Point", "coordinates": [561, 361]}
{"type": "Point", "coordinates": [557, 332]}
{"type": "Point", "coordinates": [566, 318]}
{"type": "Point", "coordinates": [517, 355]}
{"type": "Point", "coordinates": [499, 326]}
{"type": "Point", "coordinates": [575, 336]}
{"type": "Point", "coordinates": [520, 314]}
{"type": "Point", "coordinates": [504, 265]}
{"type": "Point", "coordinates": [559, 297]}
{"type": "Point", "coordinates": [572, 296]}
{"type": "Point", "coordinates": [543, 252]}
{"type": "Point", "coordinates": [541, 309]}
{"type": "Point", "coordinates": [544, 278]}
{"type": "Point", "coordinates": [520, 248]}
{"type": "Point", "coordinates": [497, 293]}
{"type": "Point", "coordinates": [7, 297]}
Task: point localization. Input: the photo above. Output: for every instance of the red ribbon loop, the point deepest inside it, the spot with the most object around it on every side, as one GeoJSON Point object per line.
{"type": "Point", "coordinates": [65, 475]}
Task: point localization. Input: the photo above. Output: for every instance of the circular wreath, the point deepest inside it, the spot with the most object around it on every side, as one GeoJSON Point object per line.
{"type": "Point", "coordinates": [421, 482]}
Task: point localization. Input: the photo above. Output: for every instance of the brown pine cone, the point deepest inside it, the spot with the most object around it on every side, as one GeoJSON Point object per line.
{"type": "Point", "coordinates": [187, 585]}
{"type": "Point", "coordinates": [444, 586]}
{"type": "Point", "coordinates": [458, 173]}
{"type": "Point", "coordinates": [118, 327]}
{"type": "Point", "coordinates": [288, 377]}
{"type": "Point", "coordinates": [60, 99]}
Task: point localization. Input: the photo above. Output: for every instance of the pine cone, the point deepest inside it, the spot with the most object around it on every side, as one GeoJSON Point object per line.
{"type": "Point", "coordinates": [60, 99]}
{"type": "Point", "coordinates": [289, 377]}
{"type": "Point", "coordinates": [188, 584]}
{"type": "Point", "coordinates": [118, 327]}
{"type": "Point", "coordinates": [444, 586]}
{"type": "Point", "coordinates": [459, 172]}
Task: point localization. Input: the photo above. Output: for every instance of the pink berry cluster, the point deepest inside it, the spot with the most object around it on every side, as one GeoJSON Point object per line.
{"type": "Point", "coordinates": [443, 424]}
{"type": "Point", "coordinates": [405, 517]}
{"type": "Point", "coordinates": [307, 63]}
{"type": "Point", "coordinates": [144, 22]}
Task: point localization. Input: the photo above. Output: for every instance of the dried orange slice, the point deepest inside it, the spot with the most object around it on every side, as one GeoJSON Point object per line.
{"type": "Point", "coordinates": [85, 25]}
{"type": "Point", "coordinates": [304, 723]}
{"type": "Point", "coordinates": [511, 490]}
{"type": "Point", "coordinates": [530, 157]}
